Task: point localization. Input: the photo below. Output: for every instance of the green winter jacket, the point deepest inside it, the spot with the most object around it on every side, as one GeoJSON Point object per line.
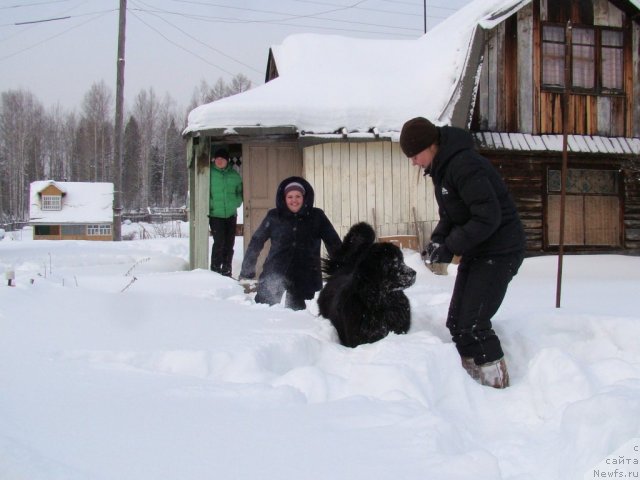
{"type": "Point", "coordinates": [225, 192]}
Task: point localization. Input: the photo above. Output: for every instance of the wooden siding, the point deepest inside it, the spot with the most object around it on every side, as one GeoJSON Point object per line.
{"type": "Point", "coordinates": [51, 190]}
{"type": "Point", "coordinates": [198, 163]}
{"type": "Point", "coordinates": [524, 173]}
{"type": "Point", "coordinates": [510, 97]}
{"type": "Point", "coordinates": [372, 182]}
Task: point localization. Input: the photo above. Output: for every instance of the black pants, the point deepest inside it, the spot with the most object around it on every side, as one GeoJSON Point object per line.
{"type": "Point", "coordinates": [480, 287]}
{"type": "Point", "coordinates": [223, 231]}
{"type": "Point", "coordinates": [272, 287]}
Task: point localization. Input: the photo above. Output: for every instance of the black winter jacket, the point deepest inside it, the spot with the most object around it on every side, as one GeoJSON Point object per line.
{"type": "Point", "coordinates": [477, 214]}
{"type": "Point", "coordinates": [294, 255]}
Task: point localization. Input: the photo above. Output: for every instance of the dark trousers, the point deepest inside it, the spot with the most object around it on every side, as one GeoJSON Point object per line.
{"type": "Point", "coordinates": [480, 287]}
{"type": "Point", "coordinates": [223, 231]}
{"type": "Point", "coordinates": [272, 287]}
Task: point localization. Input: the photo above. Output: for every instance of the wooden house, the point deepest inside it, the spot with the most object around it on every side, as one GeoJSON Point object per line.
{"type": "Point", "coordinates": [71, 210]}
{"type": "Point", "coordinates": [526, 99]}
{"type": "Point", "coordinates": [332, 108]}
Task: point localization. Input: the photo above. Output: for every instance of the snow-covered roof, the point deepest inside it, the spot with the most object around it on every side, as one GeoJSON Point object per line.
{"type": "Point", "coordinates": [329, 82]}
{"type": "Point", "coordinates": [554, 143]}
{"type": "Point", "coordinates": [83, 202]}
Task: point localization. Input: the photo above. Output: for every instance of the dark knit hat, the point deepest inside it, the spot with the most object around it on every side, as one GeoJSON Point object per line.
{"type": "Point", "coordinates": [417, 135]}
{"type": "Point", "coordinates": [294, 186]}
{"type": "Point", "coordinates": [221, 152]}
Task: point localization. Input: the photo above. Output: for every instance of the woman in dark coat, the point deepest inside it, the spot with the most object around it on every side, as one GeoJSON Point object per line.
{"type": "Point", "coordinates": [295, 229]}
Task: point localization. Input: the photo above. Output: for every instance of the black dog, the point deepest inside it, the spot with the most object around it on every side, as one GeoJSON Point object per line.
{"type": "Point", "coordinates": [363, 296]}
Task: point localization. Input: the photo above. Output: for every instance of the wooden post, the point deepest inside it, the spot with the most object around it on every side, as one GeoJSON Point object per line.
{"type": "Point", "coordinates": [565, 155]}
{"type": "Point", "coordinates": [118, 152]}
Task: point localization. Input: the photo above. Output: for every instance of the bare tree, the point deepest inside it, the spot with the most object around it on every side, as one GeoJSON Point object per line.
{"type": "Point", "coordinates": [207, 94]}
{"type": "Point", "coordinates": [98, 131]}
{"type": "Point", "coordinates": [21, 124]}
{"type": "Point", "coordinates": [131, 162]}
{"type": "Point", "coordinates": [239, 84]}
{"type": "Point", "coordinates": [146, 110]}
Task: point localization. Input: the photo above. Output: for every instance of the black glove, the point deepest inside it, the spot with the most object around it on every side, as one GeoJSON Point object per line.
{"type": "Point", "coordinates": [438, 253]}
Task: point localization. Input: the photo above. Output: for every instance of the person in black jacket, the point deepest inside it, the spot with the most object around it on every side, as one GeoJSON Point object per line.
{"type": "Point", "coordinates": [295, 229]}
{"type": "Point", "coordinates": [480, 223]}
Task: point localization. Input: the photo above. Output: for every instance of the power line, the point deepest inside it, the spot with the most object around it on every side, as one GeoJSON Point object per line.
{"type": "Point", "coordinates": [287, 18]}
{"type": "Point", "coordinates": [34, 4]}
{"type": "Point", "coordinates": [201, 42]}
{"type": "Point", "coordinates": [53, 36]}
{"type": "Point", "coordinates": [42, 21]}
{"type": "Point", "coordinates": [180, 46]}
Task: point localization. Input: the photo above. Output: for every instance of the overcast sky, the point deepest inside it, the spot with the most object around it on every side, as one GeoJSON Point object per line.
{"type": "Point", "coordinates": [57, 49]}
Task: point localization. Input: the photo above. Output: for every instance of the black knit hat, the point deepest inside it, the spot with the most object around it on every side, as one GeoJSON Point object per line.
{"type": "Point", "coordinates": [417, 135]}
{"type": "Point", "coordinates": [221, 152]}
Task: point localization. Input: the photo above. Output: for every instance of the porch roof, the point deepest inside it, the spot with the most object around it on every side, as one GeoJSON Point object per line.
{"type": "Point", "coordinates": [554, 143]}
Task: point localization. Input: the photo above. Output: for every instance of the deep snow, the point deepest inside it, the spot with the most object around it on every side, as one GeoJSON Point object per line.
{"type": "Point", "coordinates": [118, 363]}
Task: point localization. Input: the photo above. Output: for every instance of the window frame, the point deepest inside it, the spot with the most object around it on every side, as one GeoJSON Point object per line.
{"type": "Point", "coordinates": [51, 203]}
{"type": "Point", "coordinates": [98, 230]}
{"type": "Point", "coordinates": [598, 59]}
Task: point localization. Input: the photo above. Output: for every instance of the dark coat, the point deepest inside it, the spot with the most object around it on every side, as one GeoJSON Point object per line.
{"type": "Point", "coordinates": [477, 214]}
{"type": "Point", "coordinates": [294, 255]}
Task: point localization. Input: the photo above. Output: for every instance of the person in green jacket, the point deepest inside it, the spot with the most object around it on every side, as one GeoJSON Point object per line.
{"type": "Point", "coordinates": [225, 196]}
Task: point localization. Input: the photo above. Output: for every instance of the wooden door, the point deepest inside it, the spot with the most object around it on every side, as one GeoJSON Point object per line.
{"type": "Point", "coordinates": [264, 167]}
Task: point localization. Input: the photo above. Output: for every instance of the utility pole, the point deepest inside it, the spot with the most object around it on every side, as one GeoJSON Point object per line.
{"type": "Point", "coordinates": [119, 137]}
{"type": "Point", "coordinates": [565, 154]}
{"type": "Point", "coordinates": [425, 15]}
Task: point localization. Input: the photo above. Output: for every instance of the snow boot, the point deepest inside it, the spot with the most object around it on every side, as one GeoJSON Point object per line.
{"type": "Point", "coordinates": [492, 374]}
{"type": "Point", "coordinates": [472, 369]}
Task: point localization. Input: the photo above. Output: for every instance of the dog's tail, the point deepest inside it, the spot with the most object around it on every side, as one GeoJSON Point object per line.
{"type": "Point", "coordinates": [359, 237]}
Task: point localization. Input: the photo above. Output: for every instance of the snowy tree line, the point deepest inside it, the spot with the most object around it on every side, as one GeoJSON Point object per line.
{"type": "Point", "coordinates": [38, 143]}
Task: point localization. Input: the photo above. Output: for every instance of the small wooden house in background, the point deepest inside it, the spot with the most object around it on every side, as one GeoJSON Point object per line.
{"type": "Point", "coordinates": [333, 107]}
{"type": "Point", "coordinates": [71, 210]}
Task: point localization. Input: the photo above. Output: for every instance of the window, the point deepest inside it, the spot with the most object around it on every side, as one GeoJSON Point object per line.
{"type": "Point", "coordinates": [68, 230]}
{"type": "Point", "coordinates": [98, 230]}
{"type": "Point", "coordinates": [583, 54]}
{"type": "Point", "coordinates": [45, 230]}
{"type": "Point", "coordinates": [611, 60]}
{"type": "Point", "coordinates": [592, 208]}
{"type": "Point", "coordinates": [553, 56]}
{"type": "Point", "coordinates": [51, 202]}
{"type": "Point", "coordinates": [596, 58]}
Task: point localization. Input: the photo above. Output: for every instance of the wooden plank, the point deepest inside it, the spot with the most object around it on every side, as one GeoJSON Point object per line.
{"type": "Point", "coordinates": [318, 186]}
{"type": "Point", "coordinates": [499, 55]}
{"type": "Point", "coordinates": [574, 220]}
{"type": "Point", "coordinates": [536, 69]}
{"type": "Point", "coordinates": [635, 67]}
{"type": "Point", "coordinates": [380, 199]}
{"type": "Point", "coordinates": [345, 184]}
{"type": "Point", "coordinates": [484, 90]}
{"type": "Point", "coordinates": [397, 186]}
{"type": "Point", "coordinates": [603, 225]}
{"type": "Point", "coordinates": [525, 86]}
{"type": "Point", "coordinates": [371, 183]}
{"type": "Point", "coordinates": [327, 186]}
{"type": "Point", "coordinates": [492, 82]}
{"type": "Point", "coordinates": [363, 214]}
{"type": "Point", "coordinates": [336, 182]}
{"type": "Point", "coordinates": [353, 183]}
{"type": "Point", "coordinates": [385, 186]}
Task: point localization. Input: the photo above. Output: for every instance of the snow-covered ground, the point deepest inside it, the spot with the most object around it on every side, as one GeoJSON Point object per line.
{"type": "Point", "coordinates": [117, 363]}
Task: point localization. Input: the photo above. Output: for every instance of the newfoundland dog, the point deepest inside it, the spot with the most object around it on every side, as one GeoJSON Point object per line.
{"type": "Point", "coordinates": [363, 297]}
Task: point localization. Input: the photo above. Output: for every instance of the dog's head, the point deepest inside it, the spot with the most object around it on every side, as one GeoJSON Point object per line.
{"type": "Point", "coordinates": [383, 266]}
